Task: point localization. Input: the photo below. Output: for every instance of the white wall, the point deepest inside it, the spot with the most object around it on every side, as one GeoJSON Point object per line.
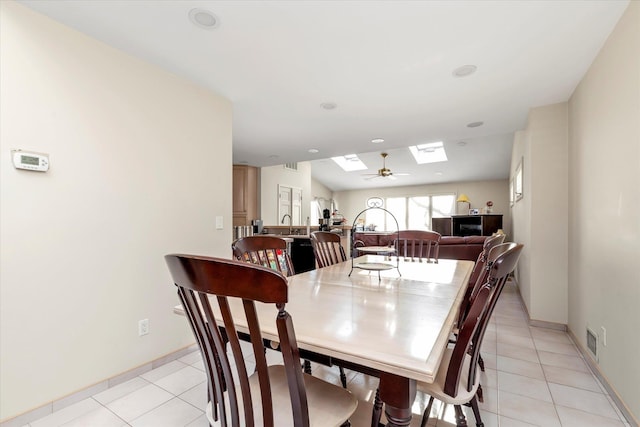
{"type": "Point", "coordinates": [83, 244]}
{"type": "Point", "coordinates": [319, 190]}
{"type": "Point", "coordinates": [271, 177]}
{"type": "Point", "coordinates": [540, 217]}
{"type": "Point", "coordinates": [352, 202]}
{"type": "Point", "coordinates": [604, 210]}
{"type": "Point", "coordinates": [520, 212]}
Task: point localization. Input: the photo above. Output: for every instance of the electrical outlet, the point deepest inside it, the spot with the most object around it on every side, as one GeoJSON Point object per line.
{"type": "Point", "coordinates": [143, 327]}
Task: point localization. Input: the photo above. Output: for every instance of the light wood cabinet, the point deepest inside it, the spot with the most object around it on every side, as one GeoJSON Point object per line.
{"type": "Point", "coordinates": [245, 194]}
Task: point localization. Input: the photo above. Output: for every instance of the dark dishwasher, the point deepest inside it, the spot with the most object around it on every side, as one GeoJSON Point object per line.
{"type": "Point", "coordinates": [302, 255]}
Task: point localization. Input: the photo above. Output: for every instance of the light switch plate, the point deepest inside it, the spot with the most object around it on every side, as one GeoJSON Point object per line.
{"type": "Point", "coordinates": [219, 223]}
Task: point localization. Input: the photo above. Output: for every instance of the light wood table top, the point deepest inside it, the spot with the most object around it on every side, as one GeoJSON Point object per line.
{"type": "Point", "coordinates": [399, 325]}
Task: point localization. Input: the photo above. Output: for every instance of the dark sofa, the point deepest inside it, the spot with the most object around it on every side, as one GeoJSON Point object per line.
{"type": "Point", "coordinates": [451, 247]}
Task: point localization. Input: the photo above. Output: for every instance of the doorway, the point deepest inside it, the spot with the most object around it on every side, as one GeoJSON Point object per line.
{"type": "Point", "coordinates": [290, 203]}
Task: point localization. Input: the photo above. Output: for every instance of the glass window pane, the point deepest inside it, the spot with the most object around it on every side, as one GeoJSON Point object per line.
{"type": "Point", "coordinates": [398, 207]}
{"type": "Point", "coordinates": [419, 213]}
{"type": "Point", "coordinates": [374, 219]}
{"type": "Point", "coordinates": [443, 205]}
{"type": "Point", "coordinates": [314, 213]}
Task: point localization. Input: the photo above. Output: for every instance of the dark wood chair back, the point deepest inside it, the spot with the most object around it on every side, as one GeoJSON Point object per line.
{"type": "Point", "coordinates": [479, 267]}
{"type": "Point", "coordinates": [419, 244]}
{"type": "Point", "coordinates": [198, 278]}
{"type": "Point", "coordinates": [501, 262]}
{"type": "Point", "coordinates": [268, 251]}
{"type": "Point", "coordinates": [478, 275]}
{"type": "Point", "coordinates": [327, 248]}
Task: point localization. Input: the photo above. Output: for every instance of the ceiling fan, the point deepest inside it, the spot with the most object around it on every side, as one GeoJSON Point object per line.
{"type": "Point", "coordinates": [384, 172]}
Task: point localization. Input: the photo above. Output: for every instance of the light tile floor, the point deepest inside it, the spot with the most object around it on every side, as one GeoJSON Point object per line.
{"type": "Point", "coordinates": [534, 377]}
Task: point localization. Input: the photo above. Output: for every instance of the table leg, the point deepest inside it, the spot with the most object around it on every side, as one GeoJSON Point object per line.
{"type": "Point", "coordinates": [398, 394]}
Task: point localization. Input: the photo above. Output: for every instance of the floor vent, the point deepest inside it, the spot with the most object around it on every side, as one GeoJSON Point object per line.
{"type": "Point", "coordinates": [592, 343]}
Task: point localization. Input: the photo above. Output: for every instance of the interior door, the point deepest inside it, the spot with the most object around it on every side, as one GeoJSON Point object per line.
{"type": "Point", "coordinates": [296, 206]}
{"type": "Point", "coordinates": [290, 202]}
{"type": "Point", "coordinates": [284, 203]}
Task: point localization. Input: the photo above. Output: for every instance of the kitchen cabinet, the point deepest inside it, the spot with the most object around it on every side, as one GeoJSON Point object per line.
{"type": "Point", "coordinates": [245, 194]}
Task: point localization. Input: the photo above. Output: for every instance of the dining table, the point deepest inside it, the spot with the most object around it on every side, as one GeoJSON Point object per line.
{"type": "Point", "coordinates": [395, 327]}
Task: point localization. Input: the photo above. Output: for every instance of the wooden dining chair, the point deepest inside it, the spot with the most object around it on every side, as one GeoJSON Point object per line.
{"type": "Point", "coordinates": [419, 245]}
{"type": "Point", "coordinates": [327, 248]}
{"type": "Point", "coordinates": [457, 380]}
{"type": "Point", "coordinates": [268, 251]}
{"type": "Point", "coordinates": [478, 274]}
{"type": "Point", "coordinates": [279, 395]}
{"type": "Point", "coordinates": [271, 252]}
{"type": "Point", "coordinates": [328, 251]}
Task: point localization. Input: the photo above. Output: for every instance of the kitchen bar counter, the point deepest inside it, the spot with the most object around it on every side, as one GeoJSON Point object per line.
{"type": "Point", "coordinates": [301, 230]}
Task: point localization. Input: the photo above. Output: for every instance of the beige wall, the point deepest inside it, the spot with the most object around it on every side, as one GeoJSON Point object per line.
{"type": "Point", "coordinates": [82, 245]}
{"type": "Point", "coordinates": [604, 209]}
{"type": "Point", "coordinates": [271, 177]}
{"type": "Point", "coordinates": [540, 217]}
{"type": "Point", "coordinates": [353, 202]}
{"type": "Point", "coordinates": [319, 190]}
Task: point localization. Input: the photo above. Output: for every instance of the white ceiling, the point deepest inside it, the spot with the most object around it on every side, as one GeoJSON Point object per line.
{"type": "Point", "coordinates": [386, 64]}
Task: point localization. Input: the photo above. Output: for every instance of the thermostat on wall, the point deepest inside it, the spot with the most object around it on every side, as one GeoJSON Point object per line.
{"type": "Point", "coordinates": [29, 160]}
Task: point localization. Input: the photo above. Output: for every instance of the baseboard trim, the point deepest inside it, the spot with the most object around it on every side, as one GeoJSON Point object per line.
{"type": "Point", "coordinates": [538, 323]}
{"type": "Point", "coordinates": [544, 324]}
{"type": "Point", "coordinates": [70, 399]}
{"type": "Point", "coordinates": [595, 368]}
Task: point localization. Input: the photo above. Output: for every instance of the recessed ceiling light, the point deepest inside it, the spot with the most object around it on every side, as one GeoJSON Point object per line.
{"type": "Point", "coordinates": [204, 19]}
{"type": "Point", "coordinates": [313, 150]}
{"type": "Point", "coordinates": [438, 173]}
{"type": "Point", "coordinates": [329, 105]}
{"type": "Point", "coordinates": [377, 141]}
{"type": "Point", "coordinates": [475, 124]}
{"type": "Point", "coordinates": [464, 71]}
{"type": "Point", "coordinates": [273, 156]}
{"type": "Point", "coordinates": [462, 143]}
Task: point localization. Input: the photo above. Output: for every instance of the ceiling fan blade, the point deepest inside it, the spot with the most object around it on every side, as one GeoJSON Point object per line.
{"type": "Point", "coordinates": [401, 174]}
{"type": "Point", "coordinates": [391, 177]}
{"type": "Point", "coordinates": [373, 177]}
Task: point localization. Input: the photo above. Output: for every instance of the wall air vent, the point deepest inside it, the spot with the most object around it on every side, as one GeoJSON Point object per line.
{"type": "Point", "coordinates": [291, 166]}
{"type": "Point", "coordinates": [592, 343]}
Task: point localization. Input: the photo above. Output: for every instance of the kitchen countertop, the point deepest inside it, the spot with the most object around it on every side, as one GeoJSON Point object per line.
{"type": "Point", "coordinates": [287, 237]}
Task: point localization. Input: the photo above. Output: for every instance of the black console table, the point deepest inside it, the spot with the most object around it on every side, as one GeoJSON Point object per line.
{"type": "Point", "coordinates": [467, 225]}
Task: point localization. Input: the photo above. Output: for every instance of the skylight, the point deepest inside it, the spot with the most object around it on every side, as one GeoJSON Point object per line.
{"type": "Point", "coordinates": [350, 162]}
{"type": "Point", "coordinates": [432, 152]}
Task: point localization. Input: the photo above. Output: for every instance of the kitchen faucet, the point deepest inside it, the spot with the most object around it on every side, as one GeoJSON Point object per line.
{"type": "Point", "coordinates": [290, 226]}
